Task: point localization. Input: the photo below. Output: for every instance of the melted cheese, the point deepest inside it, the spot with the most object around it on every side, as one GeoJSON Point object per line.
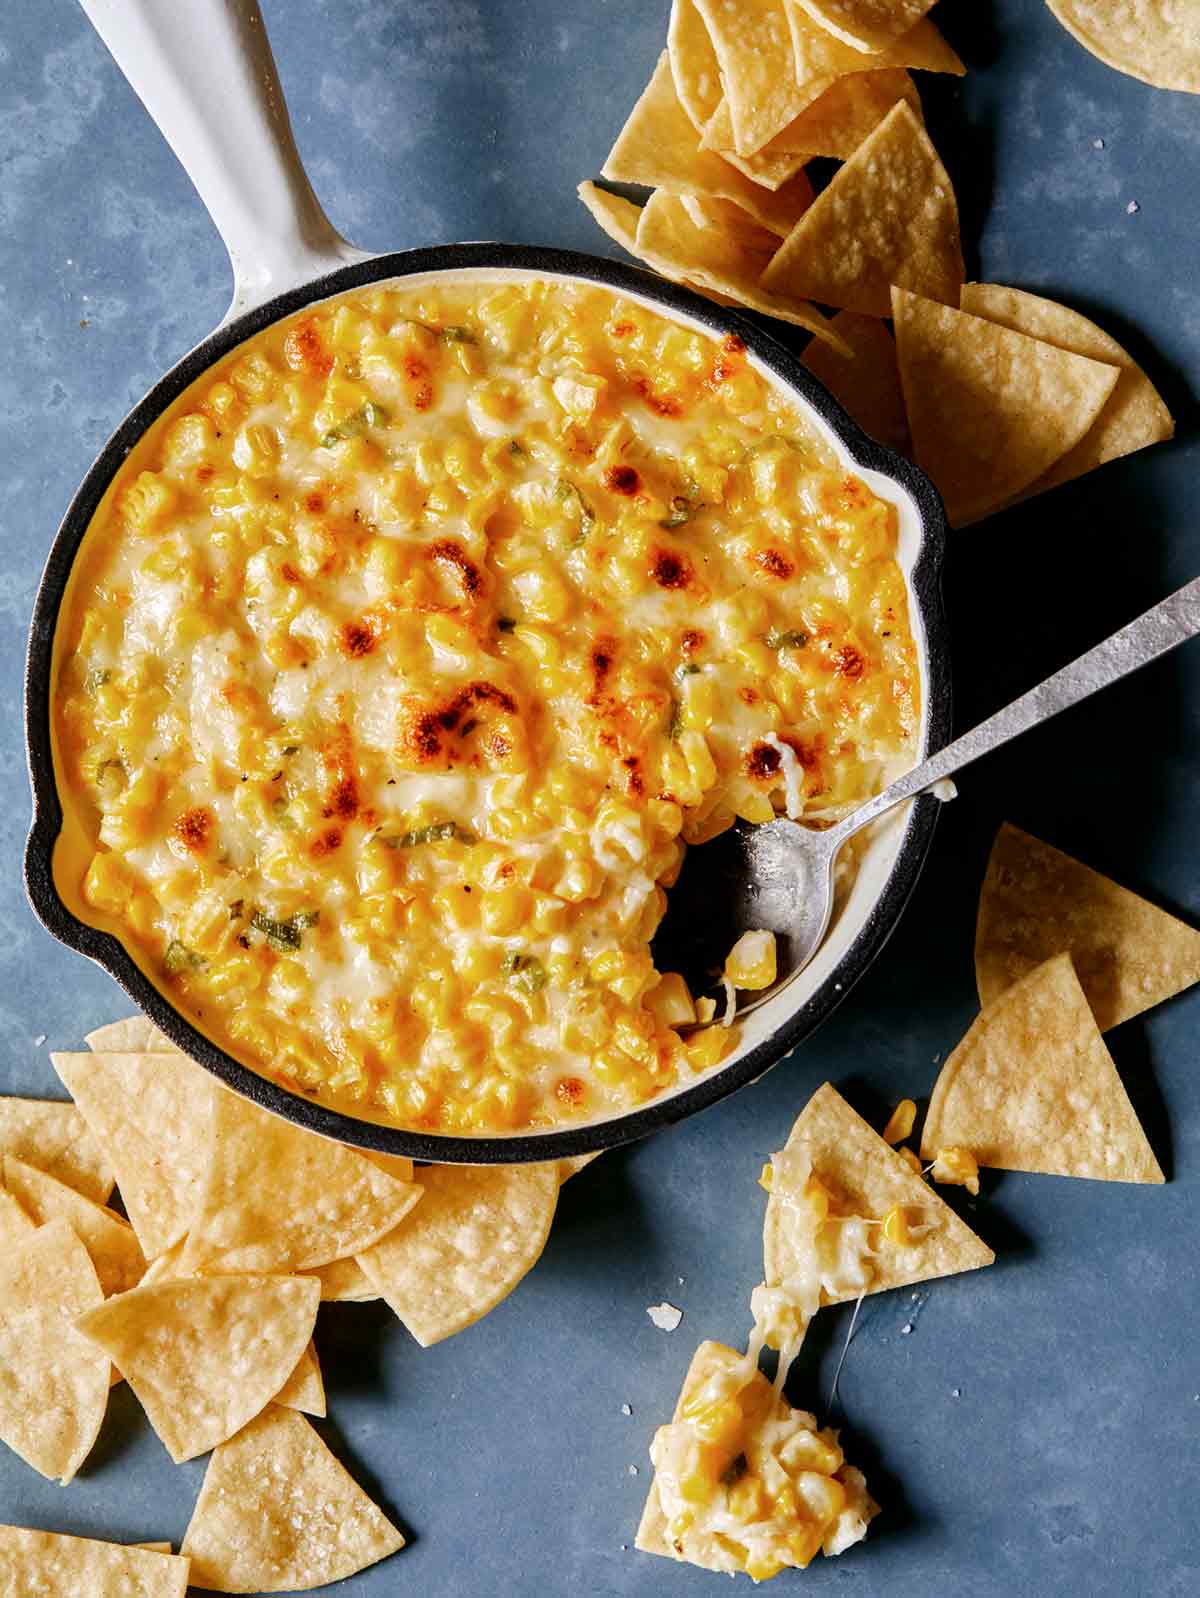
{"type": "Point", "coordinates": [410, 649]}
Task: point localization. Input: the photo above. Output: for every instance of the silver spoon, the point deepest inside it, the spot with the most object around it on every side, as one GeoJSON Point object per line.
{"type": "Point", "coordinates": [780, 875]}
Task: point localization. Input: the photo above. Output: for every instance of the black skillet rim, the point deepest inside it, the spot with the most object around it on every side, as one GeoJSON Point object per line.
{"type": "Point", "coordinates": [108, 952]}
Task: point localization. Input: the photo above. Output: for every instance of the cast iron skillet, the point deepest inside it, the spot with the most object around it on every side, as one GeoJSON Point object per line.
{"type": "Point", "coordinates": [205, 72]}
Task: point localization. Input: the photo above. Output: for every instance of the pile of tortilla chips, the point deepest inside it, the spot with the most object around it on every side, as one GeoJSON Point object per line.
{"type": "Point", "coordinates": [1061, 955]}
{"type": "Point", "coordinates": [743, 97]}
{"type": "Point", "coordinates": [205, 1300]}
{"type": "Point", "coordinates": [996, 393]}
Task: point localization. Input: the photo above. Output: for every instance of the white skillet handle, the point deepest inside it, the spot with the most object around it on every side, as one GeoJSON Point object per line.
{"type": "Point", "coordinates": [204, 71]}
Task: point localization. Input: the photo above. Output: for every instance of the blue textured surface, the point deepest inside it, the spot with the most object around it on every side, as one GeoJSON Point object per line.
{"type": "Point", "coordinates": [1036, 1431]}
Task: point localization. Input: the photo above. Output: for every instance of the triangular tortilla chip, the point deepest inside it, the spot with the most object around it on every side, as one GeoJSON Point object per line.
{"type": "Point", "coordinates": [344, 1282]}
{"type": "Point", "coordinates": [278, 1512]}
{"type": "Point", "coordinates": [276, 1198]}
{"type": "Point", "coordinates": [573, 1164]}
{"type": "Point", "coordinates": [151, 1115]}
{"type": "Point", "coordinates": [52, 1566]}
{"type": "Point", "coordinates": [716, 1361]}
{"type": "Point", "coordinates": [753, 45]}
{"type": "Point", "coordinates": [719, 260]}
{"type": "Point", "coordinates": [834, 125]}
{"type": "Point", "coordinates": [866, 25]}
{"type": "Point", "coordinates": [1134, 415]}
{"type": "Point", "coordinates": [660, 148]}
{"type": "Point", "coordinates": [693, 62]}
{"type": "Point", "coordinates": [889, 216]}
{"type": "Point", "coordinates": [206, 1356]}
{"type": "Point", "coordinates": [472, 1238]}
{"type": "Point", "coordinates": [134, 1035]}
{"type": "Point", "coordinates": [55, 1138]}
{"type": "Point", "coordinates": [870, 1178]}
{"type": "Point", "coordinates": [820, 58]}
{"type": "Point", "coordinates": [110, 1241]}
{"type": "Point", "coordinates": [769, 167]}
{"type": "Point", "coordinates": [989, 410]}
{"type": "Point", "coordinates": [305, 1387]}
{"type": "Point", "coordinates": [867, 382]}
{"type": "Point", "coordinates": [617, 216]}
{"type": "Point", "coordinates": [1037, 902]}
{"type": "Point", "coordinates": [1032, 1088]}
{"type": "Point", "coordinates": [53, 1384]}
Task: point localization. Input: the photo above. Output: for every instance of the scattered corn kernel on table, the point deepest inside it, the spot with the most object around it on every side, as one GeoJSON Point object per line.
{"type": "Point", "coordinates": [1030, 1428]}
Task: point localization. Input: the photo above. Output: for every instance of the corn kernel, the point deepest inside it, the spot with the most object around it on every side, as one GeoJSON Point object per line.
{"type": "Point", "coordinates": [751, 962]}
{"type": "Point", "coordinates": [901, 1122]}
{"type": "Point", "coordinates": [957, 1166]}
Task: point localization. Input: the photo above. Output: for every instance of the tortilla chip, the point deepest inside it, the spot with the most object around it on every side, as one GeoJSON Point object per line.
{"type": "Point", "coordinates": [472, 1238]}
{"type": "Point", "coordinates": [867, 382]}
{"type": "Point", "coordinates": [1037, 902]}
{"type": "Point", "coordinates": [719, 260]}
{"type": "Point", "coordinates": [305, 1387]}
{"type": "Point", "coordinates": [889, 216]}
{"type": "Point", "coordinates": [343, 1282]}
{"type": "Point", "coordinates": [834, 125]}
{"type": "Point", "coordinates": [820, 58]}
{"type": "Point", "coordinates": [153, 1548]}
{"type": "Point", "coordinates": [660, 148]}
{"type": "Point", "coordinates": [397, 1165]}
{"type": "Point", "coordinates": [769, 167]}
{"type": "Point", "coordinates": [1032, 1088]}
{"type": "Point", "coordinates": [990, 410]}
{"type": "Point", "coordinates": [206, 1356]}
{"type": "Point", "coordinates": [866, 25]}
{"type": "Point", "coordinates": [135, 1035]}
{"type": "Point", "coordinates": [618, 217]}
{"type": "Point", "coordinates": [693, 61]}
{"type": "Point", "coordinates": [276, 1198]}
{"type": "Point", "coordinates": [753, 45]}
{"type": "Point", "coordinates": [573, 1164]}
{"type": "Point", "coordinates": [278, 1512]}
{"type": "Point", "coordinates": [55, 1138]}
{"type": "Point", "coordinates": [1154, 40]}
{"type": "Point", "coordinates": [713, 1360]}
{"type": "Point", "coordinates": [854, 1162]}
{"type": "Point", "coordinates": [51, 1566]}
{"type": "Point", "coordinates": [53, 1385]}
{"type": "Point", "coordinates": [110, 1241]}
{"type": "Point", "coordinates": [1133, 417]}
{"type": "Point", "coordinates": [150, 1113]}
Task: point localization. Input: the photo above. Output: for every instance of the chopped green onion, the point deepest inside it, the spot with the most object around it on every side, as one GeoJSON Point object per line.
{"type": "Point", "coordinates": [284, 935]}
{"type": "Point", "coordinates": [675, 720]}
{"type": "Point", "coordinates": [517, 448]}
{"type": "Point", "coordinates": [791, 639]}
{"type": "Point", "coordinates": [682, 510]}
{"type": "Point", "coordinates": [688, 669]}
{"type": "Point", "coordinates": [179, 957]}
{"type": "Point", "coordinates": [457, 335]}
{"type": "Point", "coordinates": [291, 749]}
{"type": "Point", "coordinates": [435, 832]}
{"type": "Point", "coordinates": [368, 415]}
{"type": "Point", "coordinates": [565, 490]}
{"type": "Point", "coordinates": [96, 679]}
{"type": "Point", "coordinates": [526, 970]}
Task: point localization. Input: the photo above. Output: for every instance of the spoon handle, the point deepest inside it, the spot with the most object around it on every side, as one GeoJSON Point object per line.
{"type": "Point", "coordinates": [1172, 621]}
